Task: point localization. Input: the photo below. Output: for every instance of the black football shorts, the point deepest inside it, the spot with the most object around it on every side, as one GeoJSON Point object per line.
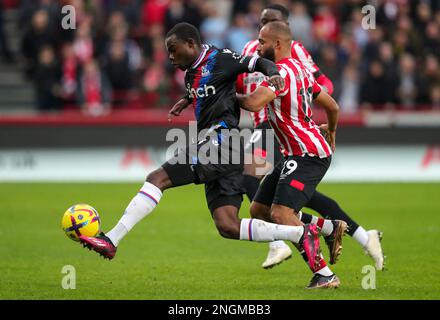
{"type": "Point", "coordinates": [222, 176]}
{"type": "Point", "coordinates": [293, 181]}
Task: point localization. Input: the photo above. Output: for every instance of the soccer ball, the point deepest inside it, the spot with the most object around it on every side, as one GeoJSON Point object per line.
{"type": "Point", "coordinates": [81, 219]}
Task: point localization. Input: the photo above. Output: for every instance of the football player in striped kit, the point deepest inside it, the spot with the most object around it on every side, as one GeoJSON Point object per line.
{"type": "Point", "coordinates": [306, 152]}
{"type": "Point", "coordinates": [324, 205]}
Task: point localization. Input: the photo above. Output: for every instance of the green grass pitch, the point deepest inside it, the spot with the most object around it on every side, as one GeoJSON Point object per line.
{"type": "Point", "coordinates": [176, 252]}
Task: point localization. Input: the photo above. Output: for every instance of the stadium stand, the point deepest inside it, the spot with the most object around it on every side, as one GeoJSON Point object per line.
{"type": "Point", "coordinates": [118, 47]}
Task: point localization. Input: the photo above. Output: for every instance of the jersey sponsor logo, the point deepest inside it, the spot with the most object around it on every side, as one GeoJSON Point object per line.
{"type": "Point", "coordinates": [200, 92]}
{"type": "Point", "coordinates": [254, 78]}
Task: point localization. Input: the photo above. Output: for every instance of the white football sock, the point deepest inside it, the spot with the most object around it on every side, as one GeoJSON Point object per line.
{"type": "Point", "coordinates": [262, 231]}
{"type": "Point", "coordinates": [325, 271]}
{"type": "Point", "coordinates": [326, 226]}
{"type": "Point", "coordinates": [139, 207]}
{"type": "Point", "coordinates": [361, 236]}
{"type": "Point", "coordinates": [314, 220]}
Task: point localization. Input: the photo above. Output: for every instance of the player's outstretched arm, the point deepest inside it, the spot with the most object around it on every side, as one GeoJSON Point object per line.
{"type": "Point", "coordinates": [270, 69]}
{"type": "Point", "coordinates": [256, 101]}
{"type": "Point", "coordinates": [332, 110]}
{"type": "Point", "coordinates": [178, 108]}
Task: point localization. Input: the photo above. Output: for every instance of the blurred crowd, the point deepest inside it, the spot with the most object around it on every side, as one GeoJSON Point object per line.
{"type": "Point", "coordinates": [116, 58]}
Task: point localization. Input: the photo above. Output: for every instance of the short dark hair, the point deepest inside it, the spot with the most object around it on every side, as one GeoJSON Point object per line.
{"type": "Point", "coordinates": [280, 29]}
{"type": "Point", "coordinates": [185, 31]}
{"type": "Point", "coordinates": [279, 8]}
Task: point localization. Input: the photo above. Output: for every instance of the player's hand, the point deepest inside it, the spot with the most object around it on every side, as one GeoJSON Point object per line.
{"type": "Point", "coordinates": [277, 81]}
{"type": "Point", "coordinates": [330, 136]}
{"type": "Point", "coordinates": [178, 108]}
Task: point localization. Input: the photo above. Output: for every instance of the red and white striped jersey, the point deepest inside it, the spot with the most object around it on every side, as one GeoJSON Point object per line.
{"type": "Point", "coordinates": [248, 82]}
{"type": "Point", "coordinates": [290, 113]}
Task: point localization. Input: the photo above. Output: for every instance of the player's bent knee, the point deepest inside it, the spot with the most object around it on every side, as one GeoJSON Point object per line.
{"type": "Point", "coordinates": [260, 211]}
{"type": "Point", "coordinates": [227, 225]}
{"type": "Point", "coordinates": [286, 217]}
{"type": "Point", "coordinates": [277, 217]}
{"type": "Point", "coordinates": [228, 231]}
{"type": "Point", "coordinates": [159, 178]}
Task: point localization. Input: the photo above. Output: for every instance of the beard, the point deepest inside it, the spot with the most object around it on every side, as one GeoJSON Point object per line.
{"type": "Point", "coordinates": [269, 54]}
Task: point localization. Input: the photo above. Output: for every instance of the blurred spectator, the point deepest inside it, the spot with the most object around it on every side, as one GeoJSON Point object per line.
{"type": "Point", "coordinates": [371, 49]}
{"type": "Point", "coordinates": [325, 25]}
{"type": "Point", "coordinates": [223, 8]}
{"type": "Point", "coordinates": [94, 91]}
{"type": "Point", "coordinates": [129, 8]}
{"type": "Point", "coordinates": [434, 95]}
{"type": "Point", "coordinates": [37, 36]}
{"type": "Point", "coordinates": [422, 17]}
{"type": "Point", "coordinates": [69, 71]}
{"type": "Point", "coordinates": [331, 66]}
{"type": "Point", "coordinates": [253, 16]}
{"type": "Point", "coordinates": [213, 28]}
{"type": "Point", "coordinates": [153, 12]}
{"type": "Point", "coordinates": [181, 11]}
{"type": "Point", "coordinates": [241, 6]}
{"type": "Point", "coordinates": [347, 50]}
{"type": "Point", "coordinates": [46, 79]}
{"type": "Point", "coordinates": [156, 81]}
{"type": "Point", "coordinates": [409, 82]}
{"type": "Point", "coordinates": [386, 58]}
{"type": "Point", "coordinates": [122, 60]}
{"type": "Point", "coordinates": [53, 9]}
{"type": "Point", "coordinates": [360, 35]}
{"type": "Point", "coordinates": [376, 88]}
{"type": "Point", "coordinates": [5, 51]}
{"type": "Point", "coordinates": [117, 67]}
{"type": "Point", "coordinates": [432, 41]}
{"type": "Point", "coordinates": [115, 20]}
{"type": "Point", "coordinates": [350, 84]}
{"type": "Point", "coordinates": [432, 69]}
{"type": "Point", "coordinates": [405, 25]}
{"type": "Point", "coordinates": [387, 12]}
{"type": "Point", "coordinates": [83, 44]}
{"type": "Point", "coordinates": [121, 67]}
{"type": "Point", "coordinates": [130, 47]}
{"type": "Point", "coordinates": [28, 8]}
{"type": "Point", "coordinates": [239, 34]}
{"type": "Point", "coordinates": [301, 24]}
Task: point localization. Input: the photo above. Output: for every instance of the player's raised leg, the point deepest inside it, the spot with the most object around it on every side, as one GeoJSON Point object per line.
{"type": "Point", "coordinates": [139, 207]}
{"type": "Point", "coordinates": [171, 174]}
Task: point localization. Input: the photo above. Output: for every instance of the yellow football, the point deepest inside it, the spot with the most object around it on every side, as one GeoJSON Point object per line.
{"type": "Point", "coordinates": [81, 219]}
